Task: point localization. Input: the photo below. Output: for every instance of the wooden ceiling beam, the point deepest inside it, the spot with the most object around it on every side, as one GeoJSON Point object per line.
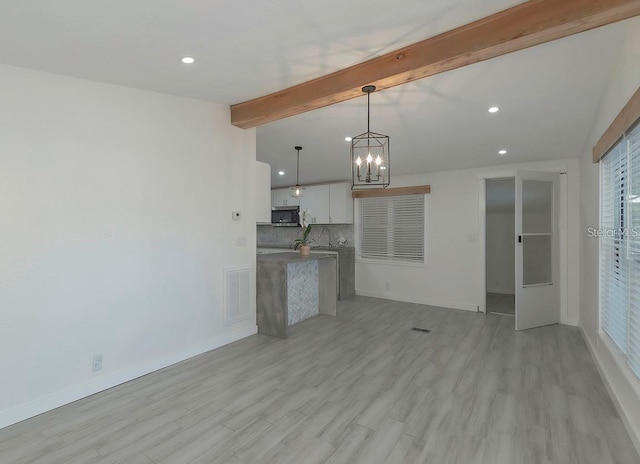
{"type": "Point", "coordinates": [530, 23]}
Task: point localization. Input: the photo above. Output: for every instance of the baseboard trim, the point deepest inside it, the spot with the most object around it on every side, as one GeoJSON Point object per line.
{"type": "Point", "coordinates": [634, 432]}
{"type": "Point", "coordinates": [425, 301]}
{"type": "Point", "coordinates": [55, 400]}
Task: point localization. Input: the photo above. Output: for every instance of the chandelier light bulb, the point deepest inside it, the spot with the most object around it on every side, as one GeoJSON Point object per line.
{"type": "Point", "coordinates": [358, 161]}
{"type": "Point", "coordinates": [378, 160]}
{"type": "Point", "coordinates": [369, 158]}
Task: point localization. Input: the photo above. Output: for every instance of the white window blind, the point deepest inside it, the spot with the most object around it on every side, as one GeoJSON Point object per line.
{"type": "Point", "coordinates": [634, 249]}
{"type": "Point", "coordinates": [620, 246]}
{"type": "Point", "coordinates": [391, 228]}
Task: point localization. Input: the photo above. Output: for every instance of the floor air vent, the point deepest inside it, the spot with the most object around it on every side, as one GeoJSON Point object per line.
{"type": "Point", "coordinates": [418, 329]}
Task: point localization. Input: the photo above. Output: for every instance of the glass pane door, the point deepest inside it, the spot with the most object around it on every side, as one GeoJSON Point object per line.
{"type": "Point", "coordinates": [537, 255]}
{"type": "Point", "coordinates": [537, 232]}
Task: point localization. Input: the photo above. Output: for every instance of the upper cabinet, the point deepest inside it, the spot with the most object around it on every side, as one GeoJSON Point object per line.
{"type": "Point", "coordinates": [262, 198]}
{"type": "Point", "coordinates": [315, 204]}
{"type": "Point", "coordinates": [282, 197]}
{"type": "Point", "coordinates": [341, 204]}
{"type": "Point", "coordinates": [325, 204]}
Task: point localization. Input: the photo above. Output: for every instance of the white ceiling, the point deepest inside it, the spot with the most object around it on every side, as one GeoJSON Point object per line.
{"type": "Point", "coordinates": [548, 97]}
{"type": "Point", "coordinates": [244, 49]}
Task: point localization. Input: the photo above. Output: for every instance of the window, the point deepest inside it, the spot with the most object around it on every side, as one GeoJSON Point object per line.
{"type": "Point", "coordinates": [620, 246]}
{"type": "Point", "coordinates": [391, 228]}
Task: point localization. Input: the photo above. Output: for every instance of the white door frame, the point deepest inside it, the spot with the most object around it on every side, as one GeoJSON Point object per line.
{"type": "Point", "coordinates": [482, 239]}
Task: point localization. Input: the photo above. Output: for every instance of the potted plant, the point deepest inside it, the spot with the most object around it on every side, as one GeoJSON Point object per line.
{"type": "Point", "coordinates": [303, 243]}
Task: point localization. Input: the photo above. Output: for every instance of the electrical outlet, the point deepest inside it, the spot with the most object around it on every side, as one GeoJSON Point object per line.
{"type": "Point", "coordinates": [387, 287]}
{"type": "Point", "coordinates": [97, 363]}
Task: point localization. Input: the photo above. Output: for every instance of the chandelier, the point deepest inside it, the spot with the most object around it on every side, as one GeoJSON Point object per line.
{"type": "Point", "coordinates": [369, 155]}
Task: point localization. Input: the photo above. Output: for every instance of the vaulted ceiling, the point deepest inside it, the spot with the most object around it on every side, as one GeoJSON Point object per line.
{"type": "Point", "coordinates": [547, 94]}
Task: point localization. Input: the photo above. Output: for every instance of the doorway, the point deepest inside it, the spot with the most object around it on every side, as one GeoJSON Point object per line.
{"type": "Point", "coordinates": [500, 230]}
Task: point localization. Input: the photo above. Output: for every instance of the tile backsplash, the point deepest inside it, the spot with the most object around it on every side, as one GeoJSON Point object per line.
{"type": "Point", "coordinates": [323, 234]}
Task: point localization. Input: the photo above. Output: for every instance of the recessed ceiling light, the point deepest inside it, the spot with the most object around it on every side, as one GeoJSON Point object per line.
{"type": "Point", "coordinates": [494, 109]}
{"type": "Point", "coordinates": [281, 173]}
{"type": "Point", "coordinates": [188, 60]}
{"type": "Point", "coordinates": [502, 152]}
{"type": "Point", "coordinates": [348, 139]}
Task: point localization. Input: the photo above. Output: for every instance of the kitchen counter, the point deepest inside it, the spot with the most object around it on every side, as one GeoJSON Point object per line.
{"type": "Point", "coordinates": [291, 288]}
{"type": "Point", "coordinates": [291, 257]}
{"type": "Point", "coordinates": [286, 248]}
{"type": "Point", "coordinates": [346, 262]}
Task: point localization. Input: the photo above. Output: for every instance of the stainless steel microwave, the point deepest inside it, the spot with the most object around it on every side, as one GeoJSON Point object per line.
{"type": "Point", "coordinates": [285, 216]}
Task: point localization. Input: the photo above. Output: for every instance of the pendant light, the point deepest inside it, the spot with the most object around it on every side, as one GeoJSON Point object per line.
{"type": "Point", "coordinates": [370, 155]}
{"type": "Point", "coordinates": [297, 190]}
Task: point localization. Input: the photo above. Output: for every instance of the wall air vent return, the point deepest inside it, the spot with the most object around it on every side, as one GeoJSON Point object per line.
{"type": "Point", "coordinates": [237, 294]}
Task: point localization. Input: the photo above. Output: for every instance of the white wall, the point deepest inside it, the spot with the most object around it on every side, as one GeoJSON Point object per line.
{"type": "Point", "coordinates": [624, 387]}
{"type": "Point", "coordinates": [116, 228]}
{"type": "Point", "coordinates": [501, 253]}
{"type": "Point", "coordinates": [452, 277]}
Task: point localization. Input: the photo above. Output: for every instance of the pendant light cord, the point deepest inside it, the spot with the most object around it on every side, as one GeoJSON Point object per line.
{"type": "Point", "coordinates": [298, 148]}
{"type": "Point", "coordinates": [368, 109]}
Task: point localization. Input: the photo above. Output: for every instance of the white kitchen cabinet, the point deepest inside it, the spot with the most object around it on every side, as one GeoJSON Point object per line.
{"type": "Point", "coordinates": [340, 204]}
{"type": "Point", "coordinates": [316, 202]}
{"type": "Point", "coordinates": [282, 197]}
{"type": "Point", "coordinates": [326, 203]}
{"type": "Point", "coordinates": [262, 193]}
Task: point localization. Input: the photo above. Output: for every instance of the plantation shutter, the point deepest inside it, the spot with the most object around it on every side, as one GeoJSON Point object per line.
{"type": "Point", "coordinates": [634, 249]}
{"type": "Point", "coordinates": [614, 267]}
{"type": "Point", "coordinates": [620, 246]}
{"type": "Point", "coordinates": [392, 228]}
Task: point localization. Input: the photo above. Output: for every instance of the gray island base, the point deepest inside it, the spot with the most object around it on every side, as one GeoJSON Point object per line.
{"type": "Point", "coordinates": [291, 289]}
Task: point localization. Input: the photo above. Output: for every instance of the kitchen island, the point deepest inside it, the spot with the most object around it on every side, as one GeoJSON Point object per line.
{"type": "Point", "coordinates": [291, 288]}
{"type": "Point", "coordinates": [346, 259]}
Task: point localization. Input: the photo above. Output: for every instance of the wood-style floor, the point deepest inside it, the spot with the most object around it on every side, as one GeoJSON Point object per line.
{"type": "Point", "coordinates": [362, 388]}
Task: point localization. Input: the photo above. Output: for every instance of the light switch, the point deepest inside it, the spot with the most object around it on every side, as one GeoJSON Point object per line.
{"type": "Point", "coordinates": [472, 238]}
{"type": "Point", "coordinates": [241, 240]}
